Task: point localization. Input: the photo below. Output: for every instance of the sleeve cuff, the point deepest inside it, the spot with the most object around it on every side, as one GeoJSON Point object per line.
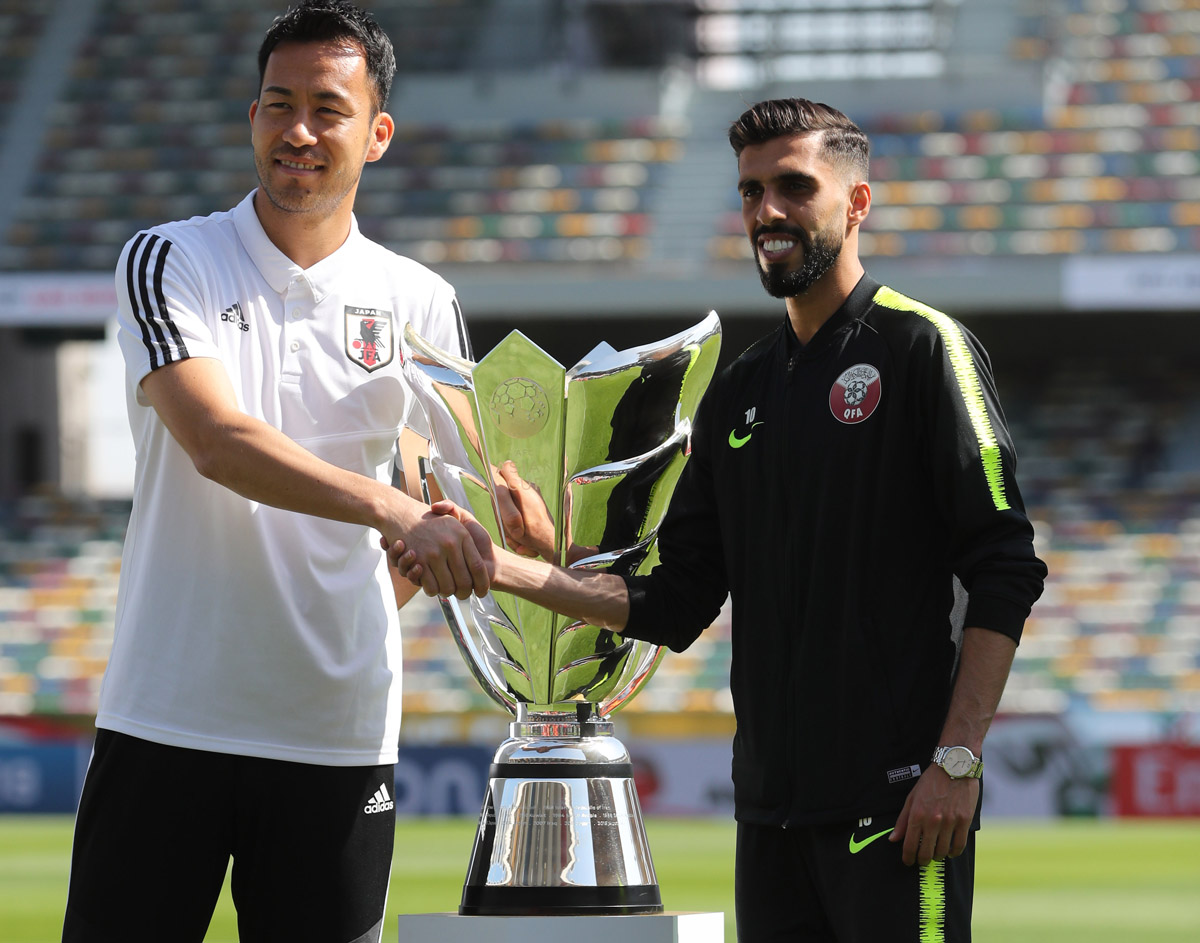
{"type": "Point", "coordinates": [637, 609]}
{"type": "Point", "coordinates": [997, 613]}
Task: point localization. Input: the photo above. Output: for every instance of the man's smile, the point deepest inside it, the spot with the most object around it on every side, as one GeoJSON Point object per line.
{"type": "Point", "coordinates": [298, 164]}
{"type": "Point", "coordinates": [775, 248]}
{"type": "Point", "coordinates": [778, 243]}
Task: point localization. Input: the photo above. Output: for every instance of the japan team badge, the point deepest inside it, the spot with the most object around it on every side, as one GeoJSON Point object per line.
{"type": "Point", "coordinates": [855, 394]}
{"type": "Point", "coordinates": [369, 340]}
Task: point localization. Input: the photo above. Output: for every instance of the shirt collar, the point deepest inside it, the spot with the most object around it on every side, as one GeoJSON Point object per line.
{"type": "Point", "coordinates": [280, 272]}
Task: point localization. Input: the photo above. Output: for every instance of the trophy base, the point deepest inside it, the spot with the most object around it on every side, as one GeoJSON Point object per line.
{"type": "Point", "coordinates": [561, 830]}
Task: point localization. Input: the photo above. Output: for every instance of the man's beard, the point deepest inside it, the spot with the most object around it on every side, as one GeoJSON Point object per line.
{"type": "Point", "coordinates": [820, 252]}
{"type": "Point", "coordinates": [297, 199]}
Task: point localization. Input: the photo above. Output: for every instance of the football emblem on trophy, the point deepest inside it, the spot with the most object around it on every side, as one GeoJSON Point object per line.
{"type": "Point", "coordinates": [519, 407]}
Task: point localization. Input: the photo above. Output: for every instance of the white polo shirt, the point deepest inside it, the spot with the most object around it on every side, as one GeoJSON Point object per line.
{"type": "Point", "coordinates": [241, 628]}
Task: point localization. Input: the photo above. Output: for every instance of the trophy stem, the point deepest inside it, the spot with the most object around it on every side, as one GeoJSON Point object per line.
{"type": "Point", "coordinates": [561, 829]}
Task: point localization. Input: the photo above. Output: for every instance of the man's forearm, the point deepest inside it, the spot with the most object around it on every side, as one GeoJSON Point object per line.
{"type": "Point", "coordinates": [983, 669]}
{"type": "Point", "coordinates": [590, 596]}
{"type": "Point", "coordinates": [257, 461]}
{"type": "Point", "coordinates": [936, 819]}
{"type": "Point", "coordinates": [196, 403]}
{"type": "Point", "coordinates": [262, 464]}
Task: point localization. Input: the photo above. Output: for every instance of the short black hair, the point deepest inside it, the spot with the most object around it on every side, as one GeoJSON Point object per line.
{"type": "Point", "coordinates": [314, 21]}
{"type": "Point", "coordinates": [842, 142]}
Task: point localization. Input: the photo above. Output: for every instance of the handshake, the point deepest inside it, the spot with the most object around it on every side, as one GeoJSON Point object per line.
{"type": "Point", "coordinates": [443, 560]}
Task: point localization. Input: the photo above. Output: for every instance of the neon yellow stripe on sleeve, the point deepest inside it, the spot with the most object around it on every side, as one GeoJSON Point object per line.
{"type": "Point", "coordinates": [968, 384]}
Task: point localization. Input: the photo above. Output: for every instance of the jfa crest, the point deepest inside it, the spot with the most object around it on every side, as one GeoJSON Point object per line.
{"type": "Point", "coordinates": [855, 394]}
{"type": "Point", "coordinates": [369, 337]}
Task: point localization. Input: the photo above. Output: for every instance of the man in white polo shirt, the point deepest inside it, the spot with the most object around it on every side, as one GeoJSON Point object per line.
{"type": "Point", "coordinates": [251, 706]}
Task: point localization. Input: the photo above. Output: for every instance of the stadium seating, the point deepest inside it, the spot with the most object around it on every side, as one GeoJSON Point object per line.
{"type": "Point", "coordinates": [20, 26]}
{"type": "Point", "coordinates": [1110, 166]}
{"type": "Point", "coordinates": [558, 192]}
{"type": "Point", "coordinates": [575, 191]}
{"type": "Point", "coordinates": [748, 43]}
{"type": "Point", "coordinates": [1109, 469]}
{"type": "Point", "coordinates": [153, 127]}
{"type": "Point", "coordinates": [59, 563]}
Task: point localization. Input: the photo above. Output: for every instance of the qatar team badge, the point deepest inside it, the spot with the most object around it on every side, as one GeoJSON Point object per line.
{"type": "Point", "coordinates": [855, 394]}
{"type": "Point", "coordinates": [369, 337]}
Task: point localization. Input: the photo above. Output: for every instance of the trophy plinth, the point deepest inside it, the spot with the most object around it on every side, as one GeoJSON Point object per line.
{"type": "Point", "coordinates": [561, 829]}
{"type": "Point", "coordinates": [593, 454]}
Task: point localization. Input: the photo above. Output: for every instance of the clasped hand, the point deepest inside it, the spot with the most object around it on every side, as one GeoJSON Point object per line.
{"type": "Point", "coordinates": [448, 553]}
{"type": "Point", "coordinates": [528, 526]}
{"type": "Point", "coordinates": [528, 531]}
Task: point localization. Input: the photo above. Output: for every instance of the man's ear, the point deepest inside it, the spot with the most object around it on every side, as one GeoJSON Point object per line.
{"type": "Point", "coordinates": [860, 203]}
{"type": "Point", "coordinates": [382, 133]}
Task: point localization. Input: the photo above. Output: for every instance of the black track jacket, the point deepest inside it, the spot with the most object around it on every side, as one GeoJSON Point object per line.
{"type": "Point", "coordinates": [835, 491]}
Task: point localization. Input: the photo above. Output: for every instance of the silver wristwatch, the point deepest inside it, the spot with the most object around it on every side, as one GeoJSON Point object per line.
{"type": "Point", "coordinates": [959, 762]}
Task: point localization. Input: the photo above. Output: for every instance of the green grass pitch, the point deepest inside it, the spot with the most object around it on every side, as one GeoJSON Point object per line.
{"type": "Point", "coordinates": [1054, 882]}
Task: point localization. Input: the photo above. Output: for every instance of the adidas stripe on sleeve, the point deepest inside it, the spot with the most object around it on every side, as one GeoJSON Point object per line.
{"type": "Point", "coordinates": [160, 313]}
{"type": "Point", "coordinates": [144, 282]}
{"type": "Point", "coordinates": [464, 339]}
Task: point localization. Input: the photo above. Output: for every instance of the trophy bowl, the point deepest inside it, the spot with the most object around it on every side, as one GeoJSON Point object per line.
{"type": "Point", "coordinates": [595, 452]}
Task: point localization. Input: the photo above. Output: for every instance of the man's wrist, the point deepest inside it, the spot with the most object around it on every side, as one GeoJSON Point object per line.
{"type": "Point", "coordinates": [514, 573]}
{"type": "Point", "coordinates": [398, 509]}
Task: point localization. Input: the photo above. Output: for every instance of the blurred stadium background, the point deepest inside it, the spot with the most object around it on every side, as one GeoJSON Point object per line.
{"type": "Point", "coordinates": [564, 164]}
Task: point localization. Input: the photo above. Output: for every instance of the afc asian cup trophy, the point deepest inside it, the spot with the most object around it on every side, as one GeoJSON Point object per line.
{"type": "Point", "coordinates": [598, 449]}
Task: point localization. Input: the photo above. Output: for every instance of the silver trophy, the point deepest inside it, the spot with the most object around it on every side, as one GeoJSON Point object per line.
{"type": "Point", "coordinates": [595, 453]}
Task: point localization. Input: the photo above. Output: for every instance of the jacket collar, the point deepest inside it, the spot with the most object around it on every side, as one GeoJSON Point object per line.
{"type": "Point", "coordinates": [854, 308]}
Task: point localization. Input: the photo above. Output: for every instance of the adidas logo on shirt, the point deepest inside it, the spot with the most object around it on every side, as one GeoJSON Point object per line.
{"type": "Point", "coordinates": [233, 314]}
{"type": "Point", "coordinates": [380, 802]}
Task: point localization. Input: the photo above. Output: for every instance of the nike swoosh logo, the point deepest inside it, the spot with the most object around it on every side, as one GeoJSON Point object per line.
{"type": "Point", "coordinates": [735, 442]}
{"type": "Point", "coordinates": [857, 846]}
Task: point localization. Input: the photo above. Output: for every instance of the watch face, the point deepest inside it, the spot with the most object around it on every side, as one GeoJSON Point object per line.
{"type": "Point", "coordinates": [958, 761]}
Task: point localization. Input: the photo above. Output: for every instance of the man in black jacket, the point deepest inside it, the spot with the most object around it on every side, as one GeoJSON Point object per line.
{"type": "Point", "coordinates": [851, 487]}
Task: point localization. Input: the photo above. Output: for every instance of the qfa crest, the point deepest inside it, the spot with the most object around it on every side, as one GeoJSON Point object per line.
{"type": "Point", "coordinates": [855, 394]}
{"type": "Point", "coordinates": [369, 337]}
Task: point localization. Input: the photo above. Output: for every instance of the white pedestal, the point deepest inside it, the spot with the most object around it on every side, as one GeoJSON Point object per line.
{"type": "Point", "coordinates": [673, 927]}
